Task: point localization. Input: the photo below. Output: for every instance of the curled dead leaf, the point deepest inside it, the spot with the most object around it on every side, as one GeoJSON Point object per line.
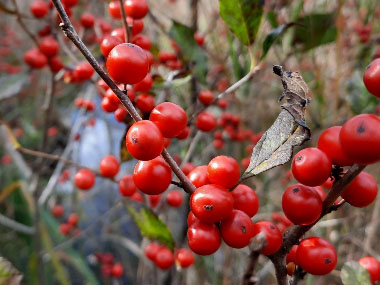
{"type": "Point", "coordinates": [290, 129]}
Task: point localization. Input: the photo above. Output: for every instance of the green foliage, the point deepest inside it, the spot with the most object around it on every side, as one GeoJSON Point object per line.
{"type": "Point", "coordinates": [190, 51]}
{"type": "Point", "coordinates": [314, 30]}
{"type": "Point", "coordinates": [242, 17]}
{"type": "Point", "coordinates": [273, 36]}
{"type": "Point", "coordinates": [151, 226]}
{"type": "Point", "coordinates": [353, 273]}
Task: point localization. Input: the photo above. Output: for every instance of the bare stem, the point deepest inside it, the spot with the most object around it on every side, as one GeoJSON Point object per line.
{"type": "Point", "coordinates": [296, 232]}
{"type": "Point", "coordinates": [127, 30]}
{"type": "Point", "coordinates": [22, 24]}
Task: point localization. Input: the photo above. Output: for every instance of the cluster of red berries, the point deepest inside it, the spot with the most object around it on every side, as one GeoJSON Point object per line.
{"type": "Point", "coordinates": [164, 258]}
{"type": "Point", "coordinates": [86, 104]}
{"type": "Point", "coordinates": [109, 268]}
{"type": "Point", "coordinates": [68, 227]}
{"type": "Point", "coordinates": [216, 213]}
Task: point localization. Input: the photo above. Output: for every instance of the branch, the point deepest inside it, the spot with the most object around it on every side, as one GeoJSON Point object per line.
{"type": "Point", "coordinates": [230, 89]}
{"type": "Point", "coordinates": [127, 30]}
{"type": "Point", "coordinates": [22, 24]}
{"type": "Point", "coordinates": [256, 245]}
{"type": "Point", "coordinates": [296, 232]}
{"type": "Point", "coordinates": [5, 221]}
{"type": "Point", "coordinates": [70, 32]}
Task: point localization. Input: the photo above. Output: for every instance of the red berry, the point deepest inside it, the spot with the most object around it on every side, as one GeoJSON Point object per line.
{"type": "Point", "coordinates": [211, 203]}
{"type": "Point", "coordinates": [164, 56]}
{"type": "Point", "coordinates": [372, 265]}
{"type": "Point", "coordinates": [117, 270]}
{"type": "Point", "coordinates": [144, 85]}
{"type": "Point", "coordinates": [174, 198]}
{"type": "Point", "coordinates": [152, 177]}
{"type": "Point", "coordinates": [199, 39]}
{"type": "Point", "coordinates": [222, 103]}
{"type": "Point", "coordinates": [73, 219]}
{"type": "Point", "coordinates": [170, 118]}
{"type": "Point", "coordinates": [144, 140]}
{"type": "Point", "coordinates": [203, 239]}
{"type": "Point", "coordinates": [109, 166]}
{"type": "Point", "coordinates": [106, 270]}
{"type": "Point", "coordinates": [127, 63]}
{"type": "Point", "coordinates": [329, 143]}
{"type": "Point", "coordinates": [112, 97]}
{"type": "Point", "coordinates": [120, 114]}
{"type": "Point", "coordinates": [154, 199]}
{"type": "Point", "coordinates": [136, 24]}
{"type": "Point", "coordinates": [34, 58]}
{"type": "Point", "coordinates": [49, 46]}
{"type": "Point", "coordinates": [206, 97]}
{"type": "Point", "coordinates": [237, 229]}
{"type": "Point", "coordinates": [39, 9]}
{"type": "Point", "coordinates": [198, 176]}
{"type": "Point", "coordinates": [108, 43]}
{"type": "Point", "coordinates": [316, 256]}
{"type": "Point", "coordinates": [218, 144]}
{"type": "Point", "coordinates": [311, 166]}
{"type": "Point", "coordinates": [360, 139]}
{"type": "Point", "coordinates": [164, 258]}
{"type": "Point", "coordinates": [292, 255]}
{"type": "Point", "coordinates": [320, 192]}
{"type": "Point", "coordinates": [191, 219]}
{"type": "Point", "coordinates": [142, 41]}
{"type": "Point", "coordinates": [371, 77]}
{"type": "Point", "coordinates": [301, 204]}
{"type": "Point", "coordinates": [108, 105]}
{"type": "Point", "coordinates": [65, 229]}
{"type": "Point", "coordinates": [136, 9]}
{"type": "Point", "coordinates": [184, 257]}
{"type": "Point", "coordinates": [87, 20]}
{"type": "Point", "coordinates": [151, 251]}
{"type": "Point", "coordinates": [184, 134]}
{"type": "Point", "coordinates": [187, 167]}
{"type": "Point", "coordinates": [245, 199]}
{"type": "Point", "coordinates": [70, 3]}
{"type": "Point", "coordinates": [137, 197]}
{"type": "Point", "coordinates": [83, 71]}
{"type": "Point", "coordinates": [84, 179]}
{"type": "Point", "coordinates": [145, 102]}
{"type": "Point", "coordinates": [114, 9]}
{"type": "Point", "coordinates": [224, 171]}
{"type": "Point", "coordinates": [272, 234]}
{"type": "Point", "coordinates": [57, 211]}
{"type": "Point", "coordinates": [108, 258]}
{"type": "Point", "coordinates": [205, 121]}
{"type": "Point", "coordinates": [55, 64]}
{"type": "Point", "coordinates": [118, 33]}
{"type": "Point", "coordinates": [362, 191]}
{"type": "Point", "coordinates": [127, 186]}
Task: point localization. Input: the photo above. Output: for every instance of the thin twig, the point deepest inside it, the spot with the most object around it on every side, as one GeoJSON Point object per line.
{"type": "Point", "coordinates": [191, 147]}
{"type": "Point", "coordinates": [256, 246]}
{"type": "Point", "coordinates": [127, 30]}
{"type": "Point", "coordinates": [230, 89]}
{"type": "Point", "coordinates": [22, 24]}
{"type": "Point", "coordinates": [5, 221]}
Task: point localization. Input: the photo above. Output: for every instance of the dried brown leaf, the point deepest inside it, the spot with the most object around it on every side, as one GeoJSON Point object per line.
{"type": "Point", "coordinates": [276, 145]}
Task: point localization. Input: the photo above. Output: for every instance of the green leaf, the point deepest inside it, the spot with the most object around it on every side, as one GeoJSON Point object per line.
{"type": "Point", "coordinates": [238, 69]}
{"type": "Point", "coordinates": [272, 19]}
{"type": "Point", "coordinates": [274, 35]}
{"type": "Point", "coordinates": [296, 10]}
{"type": "Point", "coordinates": [242, 17]}
{"type": "Point", "coordinates": [10, 85]}
{"type": "Point", "coordinates": [190, 51]}
{"type": "Point", "coordinates": [353, 273]}
{"type": "Point", "coordinates": [9, 274]}
{"type": "Point", "coordinates": [151, 226]}
{"type": "Point", "coordinates": [314, 30]}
